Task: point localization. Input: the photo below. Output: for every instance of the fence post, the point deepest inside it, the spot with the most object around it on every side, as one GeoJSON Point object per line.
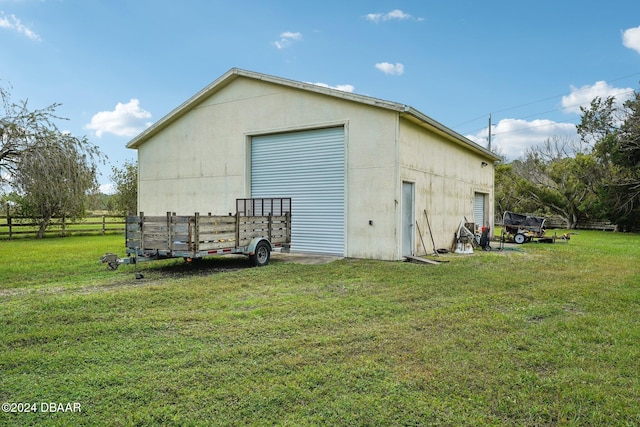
{"type": "Point", "coordinates": [9, 220]}
{"type": "Point", "coordinates": [103, 224]}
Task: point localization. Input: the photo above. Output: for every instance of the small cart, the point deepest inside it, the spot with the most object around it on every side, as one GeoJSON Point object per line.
{"type": "Point", "coordinates": [522, 228]}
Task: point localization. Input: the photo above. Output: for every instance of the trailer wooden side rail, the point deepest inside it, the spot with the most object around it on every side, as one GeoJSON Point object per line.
{"type": "Point", "coordinates": [259, 226]}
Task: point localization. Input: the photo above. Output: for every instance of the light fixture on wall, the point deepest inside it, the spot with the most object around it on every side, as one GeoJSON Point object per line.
{"type": "Point", "coordinates": [484, 164]}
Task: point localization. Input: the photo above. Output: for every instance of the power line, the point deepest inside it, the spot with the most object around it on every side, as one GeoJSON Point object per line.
{"type": "Point", "coordinates": [526, 128]}
{"type": "Point", "coordinates": [540, 114]}
{"type": "Point", "coordinates": [543, 100]}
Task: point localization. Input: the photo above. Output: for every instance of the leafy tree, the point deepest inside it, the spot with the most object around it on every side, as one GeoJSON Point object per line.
{"type": "Point", "coordinates": [599, 122]}
{"type": "Point", "coordinates": [21, 131]}
{"type": "Point", "coordinates": [50, 170]}
{"type": "Point", "coordinates": [596, 177]}
{"type": "Point", "coordinates": [54, 179]}
{"type": "Point", "coordinates": [625, 190]}
{"type": "Point", "coordinates": [98, 201]}
{"type": "Point", "coordinates": [509, 190]}
{"type": "Point", "coordinates": [126, 187]}
{"type": "Point", "coordinates": [561, 179]}
{"type": "Point", "coordinates": [615, 134]}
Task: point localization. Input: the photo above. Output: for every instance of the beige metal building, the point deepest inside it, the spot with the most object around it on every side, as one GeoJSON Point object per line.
{"type": "Point", "coordinates": [361, 171]}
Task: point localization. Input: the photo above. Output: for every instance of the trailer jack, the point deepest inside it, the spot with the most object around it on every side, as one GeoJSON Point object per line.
{"type": "Point", "coordinates": [113, 261]}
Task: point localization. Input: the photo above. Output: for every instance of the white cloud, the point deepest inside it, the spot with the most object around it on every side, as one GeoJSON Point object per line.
{"type": "Point", "coordinates": [286, 39]}
{"type": "Point", "coordinates": [396, 69]}
{"type": "Point", "coordinates": [512, 137]}
{"type": "Point", "coordinates": [395, 14]}
{"type": "Point", "coordinates": [373, 17]}
{"type": "Point", "coordinates": [11, 22]}
{"type": "Point", "coordinates": [107, 189]}
{"type": "Point", "coordinates": [344, 88]}
{"type": "Point", "coordinates": [582, 97]}
{"type": "Point", "coordinates": [125, 120]}
{"type": "Point", "coordinates": [631, 38]}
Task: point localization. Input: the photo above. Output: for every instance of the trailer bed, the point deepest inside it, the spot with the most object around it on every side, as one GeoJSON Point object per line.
{"type": "Point", "coordinates": [259, 226]}
{"type": "Point", "coordinates": [197, 235]}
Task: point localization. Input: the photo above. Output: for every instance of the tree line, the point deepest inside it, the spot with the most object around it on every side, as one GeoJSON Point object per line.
{"type": "Point", "coordinates": [594, 177]}
{"type": "Point", "coordinates": [49, 173]}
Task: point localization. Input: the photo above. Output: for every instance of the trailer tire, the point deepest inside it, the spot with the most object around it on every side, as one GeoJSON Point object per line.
{"type": "Point", "coordinates": [261, 254]}
{"type": "Point", "coordinates": [519, 238]}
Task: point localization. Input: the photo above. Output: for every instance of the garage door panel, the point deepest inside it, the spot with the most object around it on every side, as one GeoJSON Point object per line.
{"type": "Point", "coordinates": [309, 167]}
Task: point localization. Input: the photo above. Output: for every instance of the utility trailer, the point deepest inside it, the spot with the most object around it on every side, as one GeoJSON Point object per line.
{"type": "Point", "coordinates": [522, 228]}
{"type": "Point", "coordinates": [258, 226]}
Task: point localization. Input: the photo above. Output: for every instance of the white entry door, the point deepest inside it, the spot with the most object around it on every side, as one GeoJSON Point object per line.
{"type": "Point", "coordinates": [408, 219]}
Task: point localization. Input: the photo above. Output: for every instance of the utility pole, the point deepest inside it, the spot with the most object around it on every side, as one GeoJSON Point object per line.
{"type": "Point", "coordinates": [489, 145]}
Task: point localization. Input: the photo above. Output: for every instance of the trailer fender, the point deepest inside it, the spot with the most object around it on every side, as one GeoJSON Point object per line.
{"type": "Point", "coordinates": [251, 249]}
{"type": "Point", "coordinates": [259, 251]}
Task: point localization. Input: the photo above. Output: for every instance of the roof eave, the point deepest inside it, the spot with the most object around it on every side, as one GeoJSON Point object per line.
{"type": "Point", "coordinates": [234, 73]}
{"type": "Point", "coordinates": [449, 133]}
{"type": "Point", "coordinates": [183, 108]}
{"type": "Point", "coordinates": [231, 75]}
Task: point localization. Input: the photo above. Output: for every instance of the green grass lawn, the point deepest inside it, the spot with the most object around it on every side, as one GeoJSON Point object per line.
{"type": "Point", "coordinates": [546, 336]}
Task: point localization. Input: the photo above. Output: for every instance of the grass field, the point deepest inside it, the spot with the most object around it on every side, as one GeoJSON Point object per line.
{"type": "Point", "coordinates": [546, 336]}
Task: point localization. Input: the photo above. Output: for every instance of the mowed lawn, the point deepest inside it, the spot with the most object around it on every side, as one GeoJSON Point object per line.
{"type": "Point", "coordinates": [549, 335]}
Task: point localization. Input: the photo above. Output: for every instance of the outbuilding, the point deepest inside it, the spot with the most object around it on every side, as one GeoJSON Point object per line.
{"type": "Point", "coordinates": [368, 178]}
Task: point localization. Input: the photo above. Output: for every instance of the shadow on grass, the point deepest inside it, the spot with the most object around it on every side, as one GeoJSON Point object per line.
{"type": "Point", "coordinates": [198, 267]}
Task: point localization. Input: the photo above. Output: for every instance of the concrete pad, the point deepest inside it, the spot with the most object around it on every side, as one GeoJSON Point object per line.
{"type": "Point", "coordinates": [298, 258]}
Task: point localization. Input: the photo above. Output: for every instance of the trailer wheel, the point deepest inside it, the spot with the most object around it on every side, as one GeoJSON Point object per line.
{"type": "Point", "coordinates": [519, 238]}
{"type": "Point", "coordinates": [261, 255]}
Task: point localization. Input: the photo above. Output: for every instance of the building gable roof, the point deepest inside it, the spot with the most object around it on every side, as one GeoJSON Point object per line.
{"type": "Point", "coordinates": [404, 110]}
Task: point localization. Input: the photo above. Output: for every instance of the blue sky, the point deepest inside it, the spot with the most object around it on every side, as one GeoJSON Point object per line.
{"type": "Point", "coordinates": [116, 66]}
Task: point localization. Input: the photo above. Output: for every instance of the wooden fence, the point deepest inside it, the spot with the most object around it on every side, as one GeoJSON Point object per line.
{"type": "Point", "coordinates": [552, 222]}
{"type": "Point", "coordinates": [12, 226]}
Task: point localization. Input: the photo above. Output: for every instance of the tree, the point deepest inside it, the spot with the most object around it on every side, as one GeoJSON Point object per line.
{"type": "Point", "coordinates": [599, 122]}
{"type": "Point", "coordinates": [615, 134]}
{"type": "Point", "coordinates": [561, 179]}
{"type": "Point", "coordinates": [54, 179]}
{"type": "Point", "coordinates": [50, 170]}
{"type": "Point", "coordinates": [509, 194]}
{"type": "Point", "coordinates": [21, 131]}
{"type": "Point", "coordinates": [126, 187]}
{"type": "Point", "coordinates": [625, 189]}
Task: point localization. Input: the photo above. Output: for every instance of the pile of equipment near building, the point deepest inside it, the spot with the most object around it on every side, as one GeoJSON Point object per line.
{"type": "Point", "coordinates": [517, 228]}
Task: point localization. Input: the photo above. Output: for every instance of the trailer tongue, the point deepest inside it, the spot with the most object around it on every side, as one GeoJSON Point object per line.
{"type": "Point", "coordinates": [259, 226]}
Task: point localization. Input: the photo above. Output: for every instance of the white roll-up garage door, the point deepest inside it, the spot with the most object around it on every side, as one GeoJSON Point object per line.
{"type": "Point", "coordinates": [307, 166]}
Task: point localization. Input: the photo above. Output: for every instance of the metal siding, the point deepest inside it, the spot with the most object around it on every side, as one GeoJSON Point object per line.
{"type": "Point", "coordinates": [307, 166]}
